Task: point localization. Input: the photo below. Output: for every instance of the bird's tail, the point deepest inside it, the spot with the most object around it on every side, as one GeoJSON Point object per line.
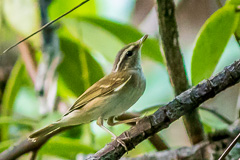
{"type": "Point", "coordinates": [44, 131]}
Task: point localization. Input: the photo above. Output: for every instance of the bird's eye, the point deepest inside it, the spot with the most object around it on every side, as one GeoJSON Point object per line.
{"type": "Point", "coordinates": [129, 53]}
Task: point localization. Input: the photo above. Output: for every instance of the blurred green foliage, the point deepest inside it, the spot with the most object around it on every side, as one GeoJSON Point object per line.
{"type": "Point", "coordinates": [89, 43]}
{"type": "Point", "coordinates": [78, 59]}
{"type": "Point", "coordinates": [211, 41]}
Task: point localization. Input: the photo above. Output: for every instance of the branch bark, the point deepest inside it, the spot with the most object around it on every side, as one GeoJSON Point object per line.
{"type": "Point", "coordinates": [34, 155]}
{"type": "Point", "coordinates": [211, 149]}
{"type": "Point", "coordinates": [203, 150]}
{"type": "Point", "coordinates": [152, 124]}
{"type": "Point", "coordinates": [163, 117]}
{"type": "Point", "coordinates": [26, 146]}
{"type": "Point", "coordinates": [169, 35]}
{"type": "Point", "coordinates": [156, 140]}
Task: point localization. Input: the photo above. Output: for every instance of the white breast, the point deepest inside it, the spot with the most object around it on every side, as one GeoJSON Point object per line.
{"type": "Point", "coordinates": [109, 105]}
{"type": "Point", "coordinates": [125, 97]}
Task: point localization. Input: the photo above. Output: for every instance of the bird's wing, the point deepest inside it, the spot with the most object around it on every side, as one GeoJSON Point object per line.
{"type": "Point", "coordinates": [106, 85]}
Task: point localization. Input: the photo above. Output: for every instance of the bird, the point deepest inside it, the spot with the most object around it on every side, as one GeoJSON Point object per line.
{"type": "Point", "coordinates": [109, 97]}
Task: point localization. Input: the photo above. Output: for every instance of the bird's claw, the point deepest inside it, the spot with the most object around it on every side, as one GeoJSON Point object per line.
{"type": "Point", "coordinates": [120, 142]}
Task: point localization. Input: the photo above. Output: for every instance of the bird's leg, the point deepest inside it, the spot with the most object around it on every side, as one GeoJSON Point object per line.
{"type": "Point", "coordinates": [100, 123]}
{"type": "Point", "coordinates": [111, 122]}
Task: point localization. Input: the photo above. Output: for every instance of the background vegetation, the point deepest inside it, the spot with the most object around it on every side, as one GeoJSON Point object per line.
{"type": "Point", "coordinates": [85, 46]}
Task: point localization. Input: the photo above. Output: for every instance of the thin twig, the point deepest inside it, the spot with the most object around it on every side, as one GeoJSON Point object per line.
{"type": "Point", "coordinates": [158, 143]}
{"type": "Point", "coordinates": [34, 154]}
{"type": "Point", "coordinates": [44, 26]}
{"type": "Point", "coordinates": [175, 66]}
{"type": "Point", "coordinates": [225, 153]}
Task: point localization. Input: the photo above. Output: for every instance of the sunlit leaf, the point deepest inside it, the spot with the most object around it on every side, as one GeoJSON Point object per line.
{"type": "Point", "coordinates": [109, 37]}
{"type": "Point", "coordinates": [211, 42]}
{"type": "Point", "coordinates": [207, 128]}
{"type": "Point", "coordinates": [59, 7]}
{"type": "Point", "coordinates": [65, 147]}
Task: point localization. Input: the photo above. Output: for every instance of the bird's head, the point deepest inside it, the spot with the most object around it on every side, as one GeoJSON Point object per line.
{"type": "Point", "coordinates": [129, 56]}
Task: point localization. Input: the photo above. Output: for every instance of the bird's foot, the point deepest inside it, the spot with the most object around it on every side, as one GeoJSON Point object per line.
{"type": "Point", "coordinates": [120, 141]}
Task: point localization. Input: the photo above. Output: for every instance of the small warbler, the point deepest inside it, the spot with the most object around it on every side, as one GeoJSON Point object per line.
{"type": "Point", "coordinates": [110, 96]}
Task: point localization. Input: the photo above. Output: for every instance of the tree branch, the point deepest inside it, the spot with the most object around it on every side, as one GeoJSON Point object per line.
{"type": "Point", "coordinates": [152, 124]}
{"type": "Point", "coordinates": [203, 150]}
{"type": "Point", "coordinates": [163, 117]}
{"type": "Point", "coordinates": [34, 154]}
{"type": "Point", "coordinates": [169, 35]}
{"type": "Point", "coordinates": [156, 140]}
{"type": "Point", "coordinates": [225, 153]}
{"type": "Point", "coordinates": [27, 146]}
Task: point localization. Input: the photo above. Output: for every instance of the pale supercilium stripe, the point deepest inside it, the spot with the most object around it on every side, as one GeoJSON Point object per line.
{"type": "Point", "coordinates": [122, 57]}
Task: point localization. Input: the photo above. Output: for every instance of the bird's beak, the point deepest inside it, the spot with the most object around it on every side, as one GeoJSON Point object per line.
{"type": "Point", "coordinates": [140, 41]}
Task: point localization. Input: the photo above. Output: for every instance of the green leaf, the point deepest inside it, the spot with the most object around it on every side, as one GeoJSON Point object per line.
{"type": "Point", "coordinates": [78, 69]}
{"type": "Point", "coordinates": [211, 41]}
{"type": "Point", "coordinates": [16, 80]}
{"type": "Point", "coordinates": [12, 87]}
{"type": "Point", "coordinates": [212, 121]}
{"type": "Point", "coordinates": [22, 121]}
{"type": "Point", "coordinates": [65, 147]}
{"type": "Point", "coordinates": [6, 144]}
{"type": "Point", "coordinates": [109, 37]}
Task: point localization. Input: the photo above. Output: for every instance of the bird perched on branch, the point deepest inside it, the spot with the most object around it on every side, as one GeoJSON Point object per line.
{"type": "Point", "coordinates": [110, 96]}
